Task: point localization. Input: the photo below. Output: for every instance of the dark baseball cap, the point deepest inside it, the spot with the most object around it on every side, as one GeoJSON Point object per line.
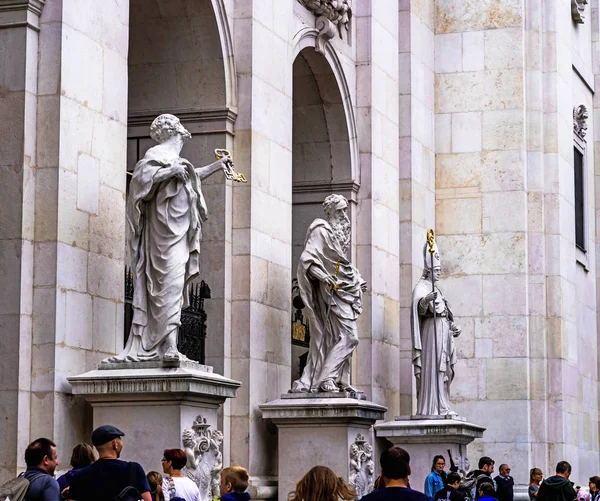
{"type": "Point", "coordinates": [104, 434]}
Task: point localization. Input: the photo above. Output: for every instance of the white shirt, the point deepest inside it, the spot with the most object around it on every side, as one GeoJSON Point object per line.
{"type": "Point", "coordinates": [184, 488]}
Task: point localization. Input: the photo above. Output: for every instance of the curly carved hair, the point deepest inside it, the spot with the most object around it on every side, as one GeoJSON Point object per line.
{"type": "Point", "coordinates": [166, 126]}
{"type": "Point", "coordinates": [322, 484]}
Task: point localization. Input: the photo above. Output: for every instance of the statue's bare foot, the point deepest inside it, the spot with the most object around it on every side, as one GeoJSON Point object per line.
{"type": "Point", "coordinates": [347, 387]}
{"type": "Point", "coordinates": [329, 386]}
{"type": "Point", "coordinates": [298, 388]}
{"type": "Point", "coordinates": [172, 354]}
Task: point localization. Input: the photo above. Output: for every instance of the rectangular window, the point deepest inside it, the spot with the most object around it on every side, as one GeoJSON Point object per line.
{"type": "Point", "coordinates": [579, 199]}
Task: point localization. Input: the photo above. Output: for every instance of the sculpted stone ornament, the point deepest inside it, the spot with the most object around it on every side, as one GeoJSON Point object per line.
{"type": "Point", "coordinates": [204, 458]}
{"type": "Point", "coordinates": [433, 333]}
{"type": "Point", "coordinates": [331, 289]}
{"type": "Point", "coordinates": [580, 118]}
{"type": "Point", "coordinates": [577, 10]}
{"type": "Point", "coordinates": [361, 466]}
{"type": "Point", "coordinates": [333, 17]}
{"type": "Point", "coordinates": [165, 212]}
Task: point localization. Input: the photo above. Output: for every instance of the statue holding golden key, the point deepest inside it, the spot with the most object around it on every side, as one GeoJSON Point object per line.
{"type": "Point", "coordinates": [165, 212]}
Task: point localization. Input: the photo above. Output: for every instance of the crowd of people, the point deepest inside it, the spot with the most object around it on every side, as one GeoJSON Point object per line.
{"type": "Point", "coordinates": [109, 478]}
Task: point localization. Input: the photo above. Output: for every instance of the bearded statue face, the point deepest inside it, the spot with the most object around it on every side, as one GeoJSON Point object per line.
{"type": "Point", "coordinates": [340, 223]}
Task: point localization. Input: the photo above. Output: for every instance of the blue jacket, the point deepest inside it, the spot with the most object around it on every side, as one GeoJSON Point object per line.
{"type": "Point", "coordinates": [43, 487]}
{"type": "Point", "coordinates": [433, 483]}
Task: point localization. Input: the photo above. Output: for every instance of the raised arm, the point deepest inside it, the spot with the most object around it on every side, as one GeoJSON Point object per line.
{"type": "Point", "coordinates": [209, 170]}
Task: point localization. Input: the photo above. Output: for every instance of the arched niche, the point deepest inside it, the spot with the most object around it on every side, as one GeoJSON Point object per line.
{"type": "Point", "coordinates": [323, 149]}
{"type": "Point", "coordinates": [180, 62]}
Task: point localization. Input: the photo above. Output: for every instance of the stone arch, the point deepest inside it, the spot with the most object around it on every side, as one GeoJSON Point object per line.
{"type": "Point", "coordinates": [324, 144]}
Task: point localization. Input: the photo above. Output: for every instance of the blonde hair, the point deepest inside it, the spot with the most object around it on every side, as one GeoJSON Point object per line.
{"type": "Point", "coordinates": [236, 476]}
{"type": "Point", "coordinates": [322, 484]}
{"type": "Point", "coordinates": [155, 480]}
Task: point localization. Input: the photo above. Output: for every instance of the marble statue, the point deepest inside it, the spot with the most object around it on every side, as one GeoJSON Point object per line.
{"type": "Point", "coordinates": [165, 212]}
{"type": "Point", "coordinates": [361, 468]}
{"type": "Point", "coordinates": [204, 458]}
{"type": "Point", "coordinates": [331, 289]}
{"type": "Point", "coordinates": [434, 353]}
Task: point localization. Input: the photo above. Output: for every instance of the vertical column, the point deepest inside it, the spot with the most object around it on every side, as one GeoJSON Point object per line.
{"type": "Point", "coordinates": [417, 166]}
{"type": "Point", "coordinates": [80, 206]}
{"type": "Point", "coordinates": [262, 223]}
{"type": "Point", "coordinates": [377, 227]}
{"type": "Point", "coordinates": [19, 32]}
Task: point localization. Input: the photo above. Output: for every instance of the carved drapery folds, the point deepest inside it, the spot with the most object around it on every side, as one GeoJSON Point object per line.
{"type": "Point", "coordinates": [333, 17]}
{"type": "Point", "coordinates": [361, 468]}
{"type": "Point", "coordinates": [580, 116]}
{"type": "Point", "coordinates": [577, 9]}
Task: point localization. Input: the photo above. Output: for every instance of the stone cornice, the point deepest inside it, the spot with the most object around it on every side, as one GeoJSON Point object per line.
{"type": "Point", "coordinates": [21, 13]}
{"type": "Point", "coordinates": [314, 192]}
{"type": "Point", "coordinates": [211, 120]}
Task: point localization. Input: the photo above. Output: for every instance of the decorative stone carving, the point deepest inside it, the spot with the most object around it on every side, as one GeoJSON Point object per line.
{"type": "Point", "coordinates": [333, 17]}
{"type": "Point", "coordinates": [580, 116]}
{"type": "Point", "coordinates": [165, 212]}
{"type": "Point", "coordinates": [331, 290]}
{"type": "Point", "coordinates": [204, 458]}
{"type": "Point", "coordinates": [577, 9]}
{"type": "Point", "coordinates": [361, 469]}
{"type": "Point", "coordinates": [433, 333]}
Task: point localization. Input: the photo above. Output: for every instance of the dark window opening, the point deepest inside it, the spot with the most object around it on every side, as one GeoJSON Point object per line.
{"type": "Point", "coordinates": [579, 200]}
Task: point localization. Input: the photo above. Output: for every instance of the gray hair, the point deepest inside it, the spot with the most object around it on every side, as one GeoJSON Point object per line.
{"type": "Point", "coordinates": [164, 127]}
{"type": "Point", "coordinates": [332, 203]}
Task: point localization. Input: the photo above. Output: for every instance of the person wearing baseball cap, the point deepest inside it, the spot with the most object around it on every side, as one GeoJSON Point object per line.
{"type": "Point", "coordinates": [109, 476]}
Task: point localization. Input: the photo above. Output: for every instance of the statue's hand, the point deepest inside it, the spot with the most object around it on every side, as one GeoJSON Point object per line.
{"type": "Point", "coordinates": [180, 172]}
{"type": "Point", "coordinates": [332, 281]}
{"type": "Point", "coordinates": [456, 330]}
{"type": "Point", "coordinates": [432, 296]}
{"type": "Point", "coordinates": [363, 286]}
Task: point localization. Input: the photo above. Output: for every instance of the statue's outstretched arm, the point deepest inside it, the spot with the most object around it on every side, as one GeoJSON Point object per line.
{"type": "Point", "coordinates": [209, 170]}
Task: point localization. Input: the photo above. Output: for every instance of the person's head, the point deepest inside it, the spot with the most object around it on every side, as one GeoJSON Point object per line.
{"type": "Point", "coordinates": [453, 479]}
{"type": "Point", "coordinates": [438, 464]}
{"type": "Point", "coordinates": [173, 460]}
{"type": "Point", "coordinates": [535, 475]}
{"type": "Point", "coordinates": [42, 453]}
{"type": "Point", "coordinates": [336, 213]}
{"type": "Point", "coordinates": [155, 481]}
{"type": "Point", "coordinates": [594, 483]}
{"type": "Point", "coordinates": [166, 126]}
{"type": "Point", "coordinates": [486, 489]}
{"type": "Point", "coordinates": [82, 455]}
{"type": "Point", "coordinates": [107, 440]}
{"type": "Point", "coordinates": [504, 470]}
{"type": "Point", "coordinates": [233, 479]}
{"type": "Point", "coordinates": [563, 469]}
{"type": "Point", "coordinates": [322, 484]}
{"type": "Point", "coordinates": [486, 464]}
{"type": "Point", "coordinates": [395, 463]}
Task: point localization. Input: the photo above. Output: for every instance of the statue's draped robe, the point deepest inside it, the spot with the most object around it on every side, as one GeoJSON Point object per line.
{"type": "Point", "coordinates": [333, 337]}
{"type": "Point", "coordinates": [164, 225]}
{"type": "Point", "coordinates": [433, 378]}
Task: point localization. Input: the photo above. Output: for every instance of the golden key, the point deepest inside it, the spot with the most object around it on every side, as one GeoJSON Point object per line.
{"type": "Point", "coordinates": [230, 172]}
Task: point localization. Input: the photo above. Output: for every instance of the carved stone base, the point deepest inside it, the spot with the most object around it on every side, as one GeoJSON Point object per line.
{"type": "Point", "coordinates": [153, 405]}
{"type": "Point", "coordinates": [426, 436]}
{"type": "Point", "coordinates": [318, 430]}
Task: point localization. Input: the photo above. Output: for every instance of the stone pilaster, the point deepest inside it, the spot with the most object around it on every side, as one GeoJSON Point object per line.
{"type": "Point", "coordinates": [377, 228]}
{"type": "Point", "coordinates": [19, 42]}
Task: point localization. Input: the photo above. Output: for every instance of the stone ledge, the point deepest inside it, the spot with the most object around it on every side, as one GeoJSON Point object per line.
{"type": "Point", "coordinates": [427, 430]}
{"type": "Point", "coordinates": [153, 384]}
{"type": "Point", "coordinates": [340, 410]}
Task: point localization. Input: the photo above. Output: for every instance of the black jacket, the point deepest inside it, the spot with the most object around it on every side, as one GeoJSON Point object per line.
{"type": "Point", "coordinates": [504, 488]}
{"type": "Point", "coordinates": [451, 494]}
{"type": "Point", "coordinates": [556, 489]}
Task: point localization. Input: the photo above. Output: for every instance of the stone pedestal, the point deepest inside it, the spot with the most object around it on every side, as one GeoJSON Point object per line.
{"type": "Point", "coordinates": [318, 429]}
{"type": "Point", "coordinates": [153, 402]}
{"type": "Point", "coordinates": [426, 436]}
